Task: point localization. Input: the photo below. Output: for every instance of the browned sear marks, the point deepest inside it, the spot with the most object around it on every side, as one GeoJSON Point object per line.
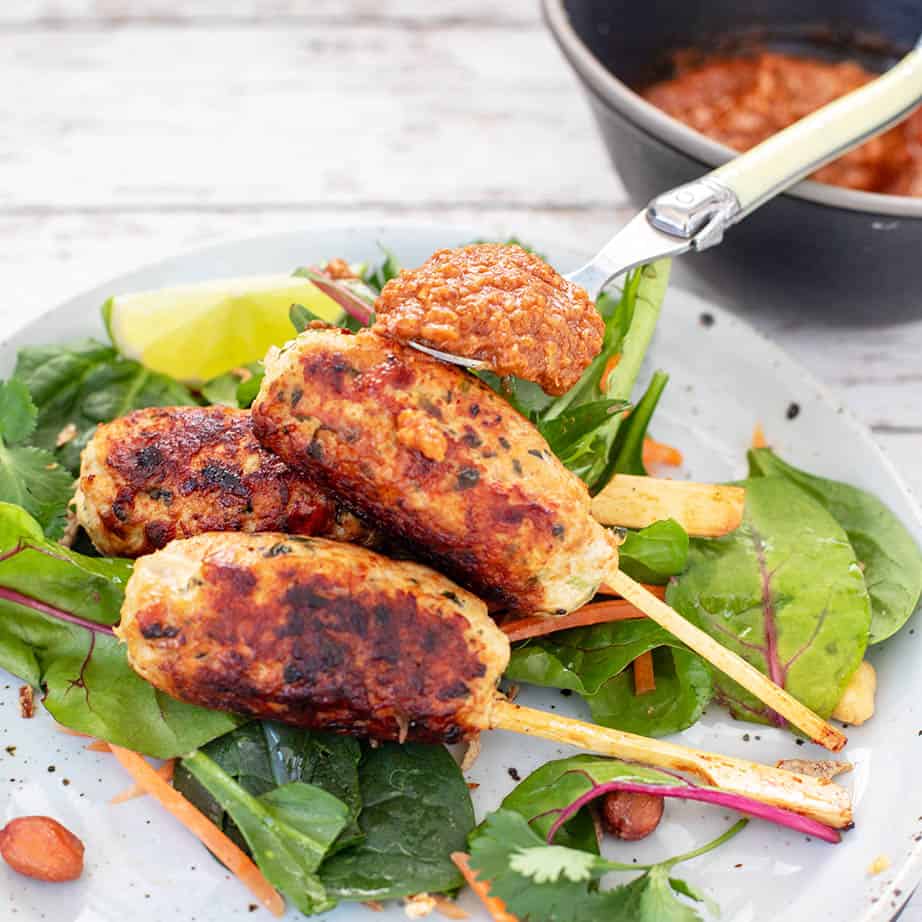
{"type": "Point", "coordinates": [313, 633]}
{"type": "Point", "coordinates": [173, 472]}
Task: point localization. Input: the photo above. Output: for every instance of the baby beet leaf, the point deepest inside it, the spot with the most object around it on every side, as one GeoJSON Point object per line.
{"type": "Point", "coordinates": [30, 477]}
{"type": "Point", "coordinates": [543, 796]}
{"type": "Point", "coordinates": [785, 592]}
{"type": "Point", "coordinates": [891, 558]}
{"type": "Point", "coordinates": [56, 612]}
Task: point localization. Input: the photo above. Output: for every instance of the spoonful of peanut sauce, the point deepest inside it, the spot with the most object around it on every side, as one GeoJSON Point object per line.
{"type": "Point", "coordinates": [499, 306]}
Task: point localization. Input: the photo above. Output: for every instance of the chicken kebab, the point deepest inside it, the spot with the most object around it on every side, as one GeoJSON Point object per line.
{"type": "Point", "coordinates": [173, 472]}
{"type": "Point", "coordinates": [437, 458]}
{"type": "Point", "coordinates": [333, 636]}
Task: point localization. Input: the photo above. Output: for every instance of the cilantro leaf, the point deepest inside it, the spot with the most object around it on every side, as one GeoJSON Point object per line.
{"type": "Point", "coordinates": [30, 477]}
{"type": "Point", "coordinates": [546, 864]}
{"type": "Point", "coordinates": [552, 883]}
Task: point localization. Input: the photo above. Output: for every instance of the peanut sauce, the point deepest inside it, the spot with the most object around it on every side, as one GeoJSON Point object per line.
{"type": "Point", "coordinates": [498, 303]}
{"type": "Point", "coordinates": [742, 100]}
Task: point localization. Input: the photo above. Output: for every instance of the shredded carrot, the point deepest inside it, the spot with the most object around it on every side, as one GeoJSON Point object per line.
{"type": "Point", "coordinates": [660, 453]}
{"type": "Point", "coordinates": [658, 591]}
{"type": "Point", "coordinates": [610, 366]}
{"type": "Point", "coordinates": [97, 746]}
{"type": "Point", "coordinates": [644, 680]}
{"type": "Point", "coordinates": [593, 613]}
{"type": "Point", "coordinates": [165, 771]}
{"type": "Point", "coordinates": [758, 437]}
{"type": "Point", "coordinates": [448, 908]}
{"type": "Point", "coordinates": [494, 906]}
{"type": "Point", "coordinates": [232, 857]}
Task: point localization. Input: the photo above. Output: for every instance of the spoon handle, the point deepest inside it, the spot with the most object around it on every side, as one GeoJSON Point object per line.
{"type": "Point", "coordinates": [694, 216]}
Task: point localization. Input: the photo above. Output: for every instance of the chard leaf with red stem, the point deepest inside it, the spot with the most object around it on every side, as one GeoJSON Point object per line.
{"type": "Point", "coordinates": [57, 609]}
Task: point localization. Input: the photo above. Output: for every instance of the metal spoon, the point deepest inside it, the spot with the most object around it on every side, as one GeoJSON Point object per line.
{"type": "Point", "coordinates": [694, 216]}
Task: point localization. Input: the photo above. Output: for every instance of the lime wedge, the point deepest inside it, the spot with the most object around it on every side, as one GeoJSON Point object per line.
{"type": "Point", "coordinates": [196, 332]}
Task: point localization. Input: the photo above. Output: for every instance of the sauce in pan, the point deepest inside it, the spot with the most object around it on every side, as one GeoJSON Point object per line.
{"type": "Point", "coordinates": [741, 100]}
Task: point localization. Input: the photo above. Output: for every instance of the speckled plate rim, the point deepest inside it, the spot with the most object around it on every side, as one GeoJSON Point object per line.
{"type": "Point", "coordinates": [883, 899]}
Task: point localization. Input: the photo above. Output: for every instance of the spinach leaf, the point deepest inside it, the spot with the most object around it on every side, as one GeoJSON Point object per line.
{"type": "Point", "coordinates": [84, 384]}
{"type": "Point", "coordinates": [684, 688]}
{"type": "Point", "coordinates": [564, 433]}
{"type": "Point", "coordinates": [656, 552]}
{"type": "Point", "coordinates": [260, 756]}
{"type": "Point", "coordinates": [891, 558]}
{"type": "Point", "coordinates": [416, 811]}
{"type": "Point", "coordinates": [627, 456]}
{"type": "Point", "coordinates": [629, 327]}
{"type": "Point", "coordinates": [553, 883]}
{"type": "Point", "coordinates": [289, 829]}
{"type": "Point", "coordinates": [546, 792]}
{"type": "Point", "coordinates": [593, 662]}
{"type": "Point", "coordinates": [412, 804]}
{"type": "Point", "coordinates": [785, 592]}
{"type": "Point", "coordinates": [56, 612]}
{"type": "Point", "coordinates": [30, 477]}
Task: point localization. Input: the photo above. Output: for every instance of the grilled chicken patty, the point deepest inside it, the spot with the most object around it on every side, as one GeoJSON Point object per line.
{"type": "Point", "coordinates": [173, 472]}
{"type": "Point", "coordinates": [431, 454]}
{"type": "Point", "coordinates": [313, 633]}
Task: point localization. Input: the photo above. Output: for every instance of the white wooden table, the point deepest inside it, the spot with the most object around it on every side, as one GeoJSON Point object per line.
{"type": "Point", "coordinates": [131, 130]}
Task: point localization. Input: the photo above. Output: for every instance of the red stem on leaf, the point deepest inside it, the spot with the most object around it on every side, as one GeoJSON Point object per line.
{"type": "Point", "coordinates": [777, 815]}
{"type": "Point", "coordinates": [18, 598]}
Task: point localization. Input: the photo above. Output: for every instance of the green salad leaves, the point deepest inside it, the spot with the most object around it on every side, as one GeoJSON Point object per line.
{"type": "Point", "coordinates": [785, 591]}
{"type": "Point", "coordinates": [56, 612]}
{"type": "Point", "coordinates": [86, 383]}
{"type": "Point", "coordinates": [30, 477]}
{"type": "Point", "coordinates": [382, 822]}
{"type": "Point", "coordinates": [891, 559]}
{"type": "Point", "coordinates": [593, 662]}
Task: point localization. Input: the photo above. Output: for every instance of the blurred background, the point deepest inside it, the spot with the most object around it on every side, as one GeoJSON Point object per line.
{"type": "Point", "coordinates": [136, 129]}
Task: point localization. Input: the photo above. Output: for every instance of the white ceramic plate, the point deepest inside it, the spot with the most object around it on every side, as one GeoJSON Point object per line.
{"type": "Point", "coordinates": [724, 377]}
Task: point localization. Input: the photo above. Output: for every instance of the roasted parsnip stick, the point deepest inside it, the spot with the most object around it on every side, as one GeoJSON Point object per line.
{"type": "Point", "coordinates": [813, 797]}
{"type": "Point", "coordinates": [704, 510]}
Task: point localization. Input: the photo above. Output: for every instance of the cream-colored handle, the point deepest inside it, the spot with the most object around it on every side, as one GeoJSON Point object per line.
{"type": "Point", "coordinates": [826, 134]}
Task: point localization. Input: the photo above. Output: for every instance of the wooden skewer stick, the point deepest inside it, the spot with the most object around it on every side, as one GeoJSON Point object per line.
{"type": "Point", "coordinates": [705, 510]}
{"type": "Point", "coordinates": [728, 662]}
{"type": "Point", "coordinates": [816, 798]}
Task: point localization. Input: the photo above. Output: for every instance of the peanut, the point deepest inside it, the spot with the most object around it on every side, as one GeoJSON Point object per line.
{"type": "Point", "coordinates": [41, 847]}
{"type": "Point", "coordinates": [631, 816]}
